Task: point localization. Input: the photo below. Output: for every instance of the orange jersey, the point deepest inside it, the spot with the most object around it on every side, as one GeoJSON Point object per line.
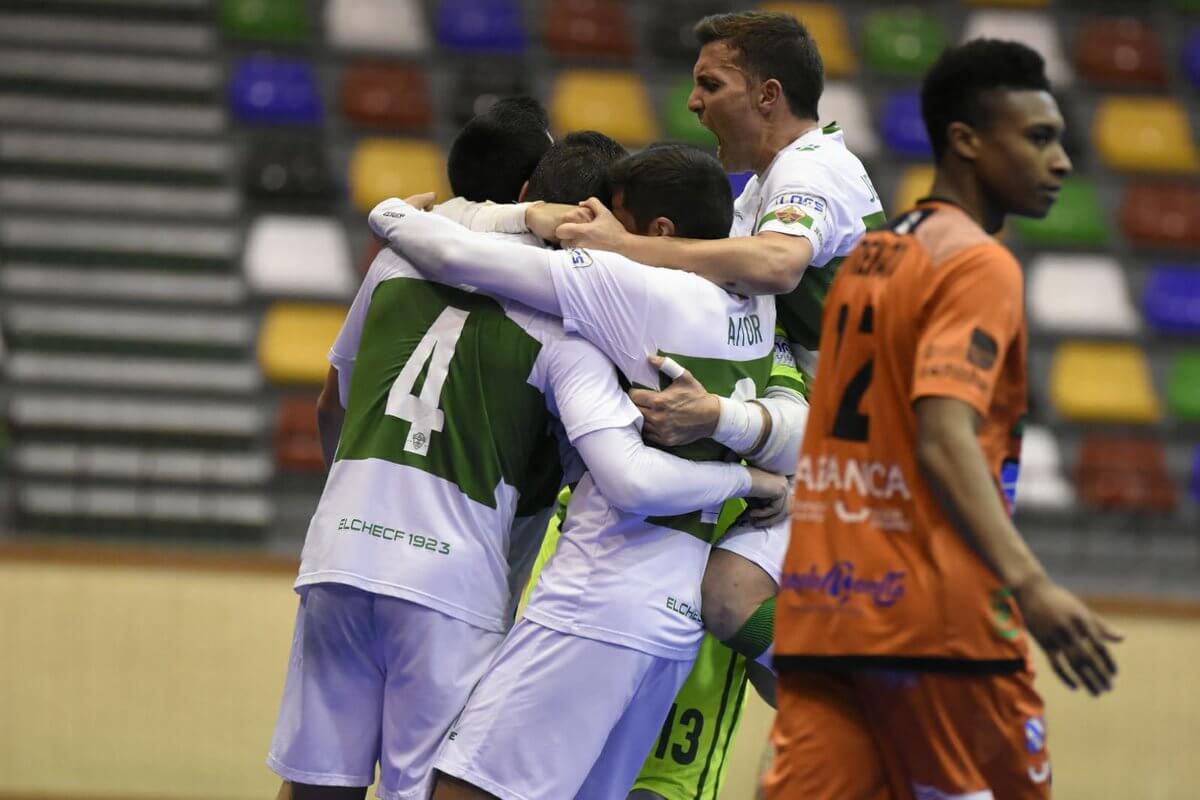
{"type": "Point", "coordinates": [876, 574]}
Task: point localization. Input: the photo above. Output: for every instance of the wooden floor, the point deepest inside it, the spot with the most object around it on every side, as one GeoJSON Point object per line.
{"type": "Point", "coordinates": [161, 680]}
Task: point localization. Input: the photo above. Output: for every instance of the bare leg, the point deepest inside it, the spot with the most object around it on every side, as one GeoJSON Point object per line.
{"type": "Point", "coordinates": [451, 788]}
{"type": "Point", "coordinates": [733, 589]}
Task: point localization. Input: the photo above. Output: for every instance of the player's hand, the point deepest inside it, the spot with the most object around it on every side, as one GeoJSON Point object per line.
{"type": "Point", "coordinates": [682, 413]}
{"type": "Point", "coordinates": [422, 201]}
{"type": "Point", "coordinates": [544, 219]}
{"type": "Point", "coordinates": [1074, 638]}
{"type": "Point", "coordinates": [769, 500]}
{"type": "Point", "coordinates": [602, 232]}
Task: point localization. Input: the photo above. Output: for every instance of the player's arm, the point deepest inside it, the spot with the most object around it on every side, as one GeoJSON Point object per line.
{"type": "Point", "coordinates": [769, 263]}
{"type": "Point", "coordinates": [538, 218]}
{"type": "Point", "coordinates": [330, 416]}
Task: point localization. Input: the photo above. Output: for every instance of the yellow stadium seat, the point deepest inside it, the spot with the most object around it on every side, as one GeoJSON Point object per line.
{"type": "Point", "coordinates": [828, 27]}
{"type": "Point", "coordinates": [293, 344]}
{"type": "Point", "coordinates": [613, 102]}
{"type": "Point", "coordinates": [914, 184]}
{"type": "Point", "coordinates": [1145, 134]}
{"type": "Point", "coordinates": [1103, 382]}
{"type": "Point", "coordinates": [383, 168]}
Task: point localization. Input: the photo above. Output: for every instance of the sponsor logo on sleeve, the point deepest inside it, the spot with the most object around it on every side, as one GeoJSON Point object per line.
{"type": "Point", "coordinates": [580, 257]}
{"type": "Point", "coordinates": [790, 214]}
{"type": "Point", "coordinates": [982, 350]}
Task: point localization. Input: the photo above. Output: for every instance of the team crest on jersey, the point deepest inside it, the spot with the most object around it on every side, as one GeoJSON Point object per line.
{"type": "Point", "coordinates": [580, 258]}
{"type": "Point", "coordinates": [790, 214]}
{"type": "Point", "coordinates": [1035, 735]}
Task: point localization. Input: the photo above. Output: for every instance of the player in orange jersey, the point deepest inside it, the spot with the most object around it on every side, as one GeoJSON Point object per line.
{"type": "Point", "coordinates": [906, 594]}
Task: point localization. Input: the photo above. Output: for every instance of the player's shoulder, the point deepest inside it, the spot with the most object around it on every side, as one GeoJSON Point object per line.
{"type": "Point", "coordinates": [952, 239]}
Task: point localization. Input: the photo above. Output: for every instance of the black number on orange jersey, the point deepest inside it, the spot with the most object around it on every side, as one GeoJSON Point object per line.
{"type": "Point", "coordinates": [849, 423]}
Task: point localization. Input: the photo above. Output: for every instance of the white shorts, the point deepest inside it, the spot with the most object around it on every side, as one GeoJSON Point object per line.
{"type": "Point", "coordinates": [373, 679]}
{"type": "Point", "coordinates": [560, 716]}
{"type": "Point", "coordinates": [766, 547]}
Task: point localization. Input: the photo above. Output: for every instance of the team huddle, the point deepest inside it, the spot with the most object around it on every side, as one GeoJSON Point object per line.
{"type": "Point", "coordinates": [592, 379]}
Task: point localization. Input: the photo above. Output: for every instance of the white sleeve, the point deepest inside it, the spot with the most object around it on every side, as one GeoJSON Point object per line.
{"type": "Point", "coordinates": [806, 203]}
{"type": "Point", "coordinates": [345, 347]}
{"type": "Point", "coordinates": [789, 416]}
{"type": "Point", "coordinates": [644, 481]}
{"type": "Point", "coordinates": [582, 389]}
{"type": "Point", "coordinates": [484, 217]}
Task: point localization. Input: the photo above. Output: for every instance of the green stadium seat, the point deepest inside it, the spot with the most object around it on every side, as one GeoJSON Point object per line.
{"type": "Point", "coordinates": [266, 20]}
{"type": "Point", "coordinates": [903, 42]}
{"type": "Point", "coordinates": [1145, 134]}
{"type": "Point", "coordinates": [681, 124]}
{"type": "Point", "coordinates": [1077, 220]}
{"type": "Point", "coordinates": [1183, 386]}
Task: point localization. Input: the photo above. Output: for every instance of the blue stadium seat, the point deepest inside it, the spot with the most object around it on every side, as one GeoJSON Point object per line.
{"type": "Point", "coordinates": [275, 91]}
{"type": "Point", "coordinates": [1172, 298]}
{"type": "Point", "coordinates": [738, 181]}
{"type": "Point", "coordinates": [902, 126]}
{"type": "Point", "coordinates": [491, 26]}
{"type": "Point", "coordinates": [1191, 58]}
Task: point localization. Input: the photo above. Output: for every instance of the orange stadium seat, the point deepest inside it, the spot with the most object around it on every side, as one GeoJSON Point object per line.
{"type": "Point", "coordinates": [614, 102]}
{"type": "Point", "coordinates": [915, 183]}
{"type": "Point", "coordinates": [297, 441]}
{"type": "Point", "coordinates": [1161, 216]}
{"type": "Point", "coordinates": [1103, 382]}
{"type": "Point", "coordinates": [294, 341]}
{"type": "Point", "coordinates": [1124, 474]}
{"type": "Point", "coordinates": [383, 168]}
{"type": "Point", "coordinates": [387, 96]}
{"type": "Point", "coordinates": [298, 256]}
{"type": "Point", "coordinates": [1123, 51]}
{"type": "Point", "coordinates": [583, 28]}
{"type": "Point", "coordinates": [827, 25]}
{"type": "Point", "coordinates": [1145, 134]}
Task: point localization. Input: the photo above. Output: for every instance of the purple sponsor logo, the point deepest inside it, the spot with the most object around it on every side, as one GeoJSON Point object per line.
{"type": "Point", "coordinates": [840, 583]}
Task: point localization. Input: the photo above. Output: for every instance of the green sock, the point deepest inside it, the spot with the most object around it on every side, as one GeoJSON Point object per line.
{"type": "Point", "coordinates": [757, 634]}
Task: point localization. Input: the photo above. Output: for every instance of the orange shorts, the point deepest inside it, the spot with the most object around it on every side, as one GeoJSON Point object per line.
{"type": "Point", "coordinates": [875, 735]}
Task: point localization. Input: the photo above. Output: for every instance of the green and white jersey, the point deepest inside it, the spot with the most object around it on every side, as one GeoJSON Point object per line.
{"type": "Point", "coordinates": [618, 577]}
{"type": "Point", "coordinates": [818, 189]}
{"type": "Point", "coordinates": [453, 398]}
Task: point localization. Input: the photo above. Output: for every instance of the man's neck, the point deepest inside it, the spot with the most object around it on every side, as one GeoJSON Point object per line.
{"type": "Point", "coordinates": [963, 189]}
{"type": "Point", "coordinates": [777, 136]}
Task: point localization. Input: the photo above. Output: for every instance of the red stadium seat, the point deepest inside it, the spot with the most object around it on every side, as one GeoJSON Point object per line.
{"type": "Point", "coordinates": [1124, 474]}
{"type": "Point", "coordinates": [388, 96]}
{"type": "Point", "coordinates": [1122, 51]}
{"type": "Point", "coordinates": [581, 28]}
{"type": "Point", "coordinates": [1162, 216]}
{"type": "Point", "coordinates": [297, 442]}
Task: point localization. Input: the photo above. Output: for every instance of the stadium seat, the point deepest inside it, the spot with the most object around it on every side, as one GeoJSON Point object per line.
{"type": "Point", "coordinates": [588, 28]}
{"type": "Point", "coordinates": [902, 42]}
{"type": "Point", "coordinates": [102, 328]}
{"type": "Point", "coordinates": [147, 511]}
{"type": "Point", "coordinates": [669, 33]}
{"type": "Point", "coordinates": [902, 126]}
{"type": "Point", "coordinates": [297, 440]}
{"type": "Point", "coordinates": [122, 416]}
{"type": "Point", "coordinates": [1191, 58]}
{"type": "Point", "coordinates": [1076, 220]}
{"type": "Point", "coordinates": [738, 181]}
{"type": "Point", "coordinates": [383, 168]}
{"type": "Point", "coordinates": [1183, 386]}
{"type": "Point", "coordinates": [681, 124]}
{"type": "Point", "coordinates": [96, 240]}
{"type": "Point", "coordinates": [1123, 474]}
{"type": "Point", "coordinates": [134, 372]}
{"type": "Point", "coordinates": [915, 183]}
{"type": "Point", "coordinates": [275, 91]}
{"type": "Point", "coordinates": [287, 171]}
{"type": "Point", "coordinates": [1080, 293]}
{"type": "Point", "coordinates": [142, 464]}
{"type": "Point", "coordinates": [384, 26]}
{"type": "Point", "coordinates": [294, 342]}
{"type": "Point", "coordinates": [1145, 134]}
{"type": "Point", "coordinates": [1121, 51]}
{"type": "Point", "coordinates": [1162, 216]}
{"type": "Point", "coordinates": [478, 84]}
{"type": "Point", "coordinates": [827, 25]}
{"type": "Point", "coordinates": [1172, 298]}
{"type": "Point", "coordinates": [105, 72]}
{"type": "Point", "coordinates": [614, 102]}
{"type": "Point", "coordinates": [20, 278]}
{"type": "Point", "coordinates": [387, 96]}
{"type": "Point", "coordinates": [81, 31]}
{"type": "Point", "coordinates": [481, 26]}
{"type": "Point", "coordinates": [298, 256]}
{"type": "Point", "coordinates": [267, 20]}
{"type": "Point", "coordinates": [1041, 483]}
{"type": "Point", "coordinates": [126, 198]}
{"type": "Point", "coordinates": [1037, 29]}
{"type": "Point", "coordinates": [844, 104]}
{"type": "Point", "coordinates": [18, 110]}
{"type": "Point", "coordinates": [115, 154]}
{"type": "Point", "coordinates": [1101, 382]}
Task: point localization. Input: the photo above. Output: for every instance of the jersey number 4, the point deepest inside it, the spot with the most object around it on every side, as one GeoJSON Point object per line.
{"type": "Point", "coordinates": [421, 411]}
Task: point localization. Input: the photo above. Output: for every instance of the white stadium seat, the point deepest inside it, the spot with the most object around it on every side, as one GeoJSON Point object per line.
{"type": "Point", "coordinates": [134, 372]}
{"type": "Point", "coordinates": [204, 329]}
{"type": "Point", "coordinates": [160, 465]}
{"type": "Point", "coordinates": [119, 237]}
{"type": "Point", "coordinates": [151, 155]}
{"type": "Point", "coordinates": [131, 415]}
{"type": "Point", "coordinates": [1041, 483]}
{"type": "Point", "coordinates": [120, 284]}
{"type": "Point", "coordinates": [119, 198]}
{"type": "Point", "coordinates": [161, 118]}
{"type": "Point", "coordinates": [114, 71]}
{"type": "Point", "coordinates": [1080, 293]}
{"type": "Point", "coordinates": [153, 505]}
{"type": "Point", "coordinates": [1036, 29]}
{"type": "Point", "coordinates": [298, 257]}
{"type": "Point", "coordinates": [844, 104]}
{"type": "Point", "coordinates": [391, 26]}
{"type": "Point", "coordinates": [46, 29]}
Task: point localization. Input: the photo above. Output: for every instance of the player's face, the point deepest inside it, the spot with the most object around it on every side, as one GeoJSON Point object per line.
{"type": "Point", "coordinates": [721, 98]}
{"type": "Point", "coordinates": [1022, 161]}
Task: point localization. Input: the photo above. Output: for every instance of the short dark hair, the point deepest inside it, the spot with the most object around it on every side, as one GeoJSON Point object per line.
{"type": "Point", "coordinates": [677, 181]}
{"type": "Point", "coordinates": [955, 87]}
{"type": "Point", "coordinates": [575, 168]}
{"type": "Point", "coordinates": [495, 152]}
{"type": "Point", "coordinates": [772, 45]}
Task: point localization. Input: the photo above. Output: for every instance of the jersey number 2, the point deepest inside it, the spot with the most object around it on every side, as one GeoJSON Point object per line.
{"type": "Point", "coordinates": [421, 411]}
{"type": "Point", "coordinates": [849, 424]}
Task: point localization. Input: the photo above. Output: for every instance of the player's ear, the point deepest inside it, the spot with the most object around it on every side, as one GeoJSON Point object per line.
{"type": "Point", "coordinates": [661, 226]}
{"type": "Point", "coordinates": [770, 94]}
{"type": "Point", "coordinates": [963, 140]}
{"type": "Point", "coordinates": [521, 194]}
